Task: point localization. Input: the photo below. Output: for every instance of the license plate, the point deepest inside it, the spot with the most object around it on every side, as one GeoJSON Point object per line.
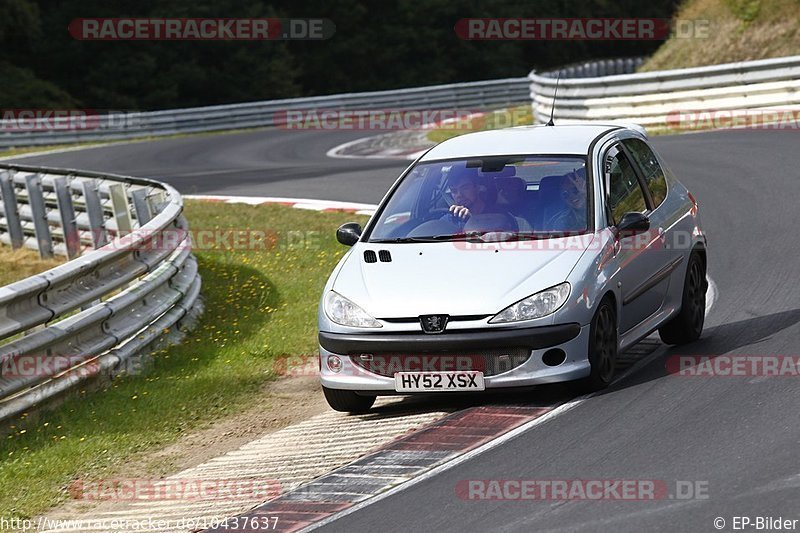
{"type": "Point", "coordinates": [438, 381]}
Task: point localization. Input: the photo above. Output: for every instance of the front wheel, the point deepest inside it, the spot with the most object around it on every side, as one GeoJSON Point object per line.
{"type": "Point", "coordinates": [602, 348]}
{"type": "Point", "coordinates": [347, 401]}
{"type": "Point", "coordinates": [687, 326]}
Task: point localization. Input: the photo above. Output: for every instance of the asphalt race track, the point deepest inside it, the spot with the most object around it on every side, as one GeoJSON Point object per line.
{"type": "Point", "coordinates": [262, 163]}
{"type": "Point", "coordinates": [739, 436]}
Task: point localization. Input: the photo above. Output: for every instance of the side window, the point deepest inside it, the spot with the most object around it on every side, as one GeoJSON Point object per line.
{"type": "Point", "coordinates": [624, 191]}
{"type": "Point", "coordinates": [653, 174]}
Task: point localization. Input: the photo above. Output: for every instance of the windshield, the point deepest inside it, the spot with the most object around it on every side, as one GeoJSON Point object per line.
{"type": "Point", "coordinates": [511, 196]}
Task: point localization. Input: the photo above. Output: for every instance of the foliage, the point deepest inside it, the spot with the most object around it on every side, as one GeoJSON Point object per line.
{"type": "Point", "coordinates": [377, 45]}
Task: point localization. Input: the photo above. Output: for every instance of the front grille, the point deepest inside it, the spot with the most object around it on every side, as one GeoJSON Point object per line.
{"type": "Point", "coordinates": [415, 319]}
{"type": "Point", "coordinates": [490, 362]}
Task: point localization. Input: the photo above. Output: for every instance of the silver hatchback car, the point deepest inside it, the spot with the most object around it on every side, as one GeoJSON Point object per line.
{"type": "Point", "coordinates": [513, 258]}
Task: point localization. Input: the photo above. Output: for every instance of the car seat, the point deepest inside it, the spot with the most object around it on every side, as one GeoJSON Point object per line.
{"type": "Point", "coordinates": [549, 202]}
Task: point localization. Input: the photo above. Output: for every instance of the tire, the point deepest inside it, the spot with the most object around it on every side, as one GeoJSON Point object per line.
{"type": "Point", "coordinates": [687, 325]}
{"type": "Point", "coordinates": [602, 348]}
{"type": "Point", "coordinates": [347, 401]}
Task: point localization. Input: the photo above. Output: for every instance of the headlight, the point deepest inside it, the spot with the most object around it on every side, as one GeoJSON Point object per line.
{"type": "Point", "coordinates": [344, 312]}
{"type": "Point", "coordinates": [540, 304]}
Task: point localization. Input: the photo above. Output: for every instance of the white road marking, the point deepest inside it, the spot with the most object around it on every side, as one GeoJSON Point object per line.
{"type": "Point", "coordinates": [388, 153]}
{"type": "Point", "coordinates": [297, 203]}
{"type": "Point", "coordinates": [335, 152]}
{"type": "Point", "coordinates": [711, 294]}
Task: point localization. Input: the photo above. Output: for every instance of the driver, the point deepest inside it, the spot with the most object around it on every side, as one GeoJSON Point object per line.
{"type": "Point", "coordinates": [474, 206]}
{"type": "Point", "coordinates": [468, 199]}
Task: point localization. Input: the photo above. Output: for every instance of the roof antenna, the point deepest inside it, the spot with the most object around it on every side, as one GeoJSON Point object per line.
{"type": "Point", "coordinates": [553, 109]}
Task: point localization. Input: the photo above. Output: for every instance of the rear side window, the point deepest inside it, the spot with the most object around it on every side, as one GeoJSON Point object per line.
{"type": "Point", "coordinates": [625, 193]}
{"type": "Point", "coordinates": [653, 174]}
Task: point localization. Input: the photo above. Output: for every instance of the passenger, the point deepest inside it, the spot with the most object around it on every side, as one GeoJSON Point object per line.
{"type": "Point", "coordinates": [573, 192]}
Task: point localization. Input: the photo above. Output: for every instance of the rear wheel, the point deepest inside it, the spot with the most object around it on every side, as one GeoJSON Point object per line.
{"type": "Point", "coordinates": [687, 325]}
{"type": "Point", "coordinates": [347, 401]}
{"type": "Point", "coordinates": [602, 348]}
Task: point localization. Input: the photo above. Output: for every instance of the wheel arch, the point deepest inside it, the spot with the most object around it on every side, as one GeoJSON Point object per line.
{"type": "Point", "coordinates": [615, 304]}
{"type": "Point", "coordinates": [700, 249]}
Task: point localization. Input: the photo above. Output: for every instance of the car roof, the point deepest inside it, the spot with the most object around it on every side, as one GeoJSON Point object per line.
{"type": "Point", "coordinates": [561, 139]}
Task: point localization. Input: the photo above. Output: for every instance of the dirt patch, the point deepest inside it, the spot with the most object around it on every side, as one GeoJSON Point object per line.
{"type": "Point", "coordinates": [283, 402]}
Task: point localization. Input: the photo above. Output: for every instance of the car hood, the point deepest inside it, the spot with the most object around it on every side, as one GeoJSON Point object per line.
{"type": "Point", "coordinates": [454, 278]}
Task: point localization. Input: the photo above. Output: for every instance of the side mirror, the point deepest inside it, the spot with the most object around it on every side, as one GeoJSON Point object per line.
{"type": "Point", "coordinates": [631, 224]}
{"type": "Point", "coordinates": [348, 234]}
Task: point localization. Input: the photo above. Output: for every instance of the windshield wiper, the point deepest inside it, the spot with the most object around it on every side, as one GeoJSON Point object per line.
{"type": "Point", "coordinates": [431, 238]}
{"type": "Point", "coordinates": [477, 236]}
{"type": "Point", "coordinates": [524, 236]}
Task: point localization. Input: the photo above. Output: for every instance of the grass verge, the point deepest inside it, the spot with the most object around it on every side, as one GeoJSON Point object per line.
{"type": "Point", "coordinates": [25, 150]}
{"type": "Point", "coordinates": [738, 30]}
{"type": "Point", "coordinates": [19, 264]}
{"type": "Point", "coordinates": [260, 304]}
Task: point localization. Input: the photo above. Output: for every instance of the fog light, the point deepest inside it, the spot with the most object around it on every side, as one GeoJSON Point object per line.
{"type": "Point", "coordinates": [554, 357]}
{"type": "Point", "coordinates": [334, 364]}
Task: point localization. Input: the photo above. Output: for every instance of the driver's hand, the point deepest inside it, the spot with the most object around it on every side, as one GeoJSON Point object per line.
{"type": "Point", "coordinates": [460, 211]}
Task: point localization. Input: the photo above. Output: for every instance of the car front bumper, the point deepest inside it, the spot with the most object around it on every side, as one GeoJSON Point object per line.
{"type": "Point", "coordinates": [572, 338]}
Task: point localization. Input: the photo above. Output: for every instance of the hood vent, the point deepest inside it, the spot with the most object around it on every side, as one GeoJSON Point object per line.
{"type": "Point", "coordinates": [384, 255]}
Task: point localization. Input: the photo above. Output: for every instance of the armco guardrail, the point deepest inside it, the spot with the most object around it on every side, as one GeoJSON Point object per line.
{"type": "Point", "coordinates": [471, 95]}
{"type": "Point", "coordinates": [658, 99]}
{"type": "Point", "coordinates": [131, 278]}
{"type": "Point", "coordinates": [597, 67]}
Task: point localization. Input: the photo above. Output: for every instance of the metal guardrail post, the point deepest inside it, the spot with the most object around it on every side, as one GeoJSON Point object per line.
{"type": "Point", "coordinates": [13, 222]}
{"type": "Point", "coordinates": [119, 206]}
{"type": "Point", "coordinates": [33, 184]}
{"type": "Point", "coordinates": [94, 211]}
{"type": "Point", "coordinates": [141, 207]}
{"type": "Point", "coordinates": [66, 211]}
{"type": "Point", "coordinates": [156, 200]}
